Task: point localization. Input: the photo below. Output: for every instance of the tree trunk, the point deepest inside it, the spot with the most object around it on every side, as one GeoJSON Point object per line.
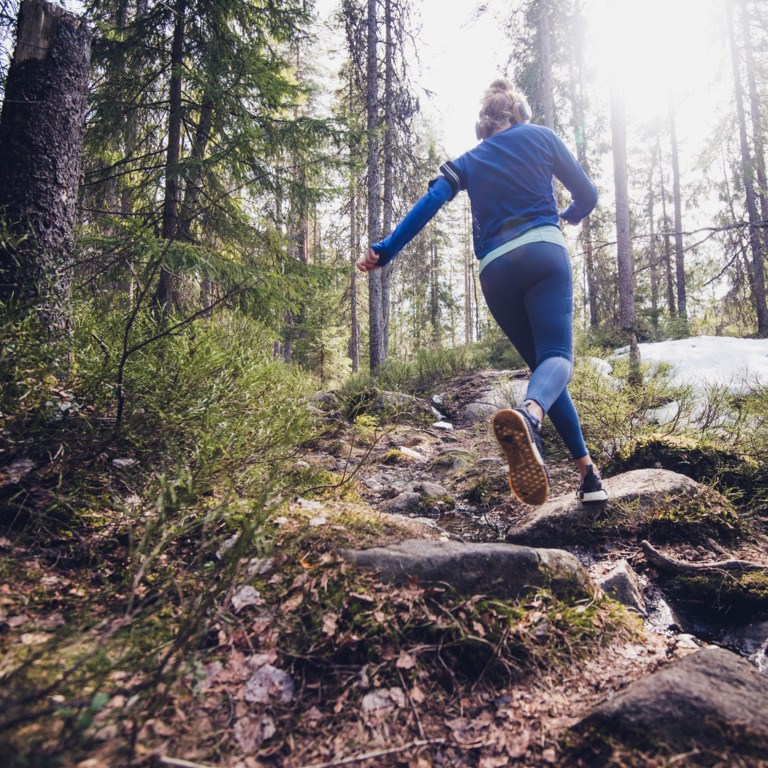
{"type": "Point", "coordinates": [757, 131]}
{"type": "Point", "coordinates": [653, 256]}
{"type": "Point", "coordinates": [389, 162]}
{"type": "Point", "coordinates": [545, 42]}
{"type": "Point", "coordinates": [166, 289]}
{"type": "Point", "coordinates": [354, 336]}
{"type": "Point", "coordinates": [682, 310]}
{"type": "Point", "coordinates": [434, 291]}
{"type": "Point", "coordinates": [375, 344]}
{"type": "Point", "coordinates": [748, 176]}
{"type": "Point", "coordinates": [576, 72]}
{"type": "Point", "coordinates": [41, 138]}
{"type": "Point", "coordinates": [623, 245]}
{"type": "Point", "coordinates": [671, 305]}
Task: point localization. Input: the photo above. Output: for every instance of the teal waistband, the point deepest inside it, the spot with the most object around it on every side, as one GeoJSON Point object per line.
{"type": "Point", "coordinates": [545, 234]}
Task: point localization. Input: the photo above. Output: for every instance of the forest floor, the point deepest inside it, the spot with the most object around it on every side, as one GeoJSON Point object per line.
{"type": "Point", "coordinates": [306, 662]}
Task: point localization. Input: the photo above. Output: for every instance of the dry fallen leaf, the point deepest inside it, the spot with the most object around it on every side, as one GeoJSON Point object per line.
{"type": "Point", "coordinates": [251, 731]}
{"type": "Point", "coordinates": [405, 661]}
{"type": "Point", "coordinates": [330, 624]}
{"type": "Point", "coordinates": [382, 699]}
{"type": "Point", "coordinates": [267, 683]}
{"type": "Point", "coordinates": [244, 597]}
{"type": "Point", "coordinates": [517, 746]}
{"type": "Point", "coordinates": [292, 603]}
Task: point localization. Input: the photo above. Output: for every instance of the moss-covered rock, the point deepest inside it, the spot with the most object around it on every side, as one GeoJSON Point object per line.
{"type": "Point", "coordinates": [735, 596]}
{"type": "Point", "coordinates": [488, 491]}
{"type": "Point", "coordinates": [693, 520]}
{"type": "Point", "coordinates": [700, 460]}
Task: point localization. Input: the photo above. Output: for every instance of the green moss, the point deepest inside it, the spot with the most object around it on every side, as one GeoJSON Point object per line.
{"type": "Point", "coordinates": [739, 596]}
{"type": "Point", "coordinates": [394, 456]}
{"type": "Point", "coordinates": [428, 503]}
{"type": "Point", "coordinates": [679, 518]}
{"type": "Point", "coordinates": [700, 460]}
{"type": "Point", "coordinates": [694, 520]}
{"type": "Point", "coordinates": [488, 491]}
{"type": "Point", "coordinates": [361, 403]}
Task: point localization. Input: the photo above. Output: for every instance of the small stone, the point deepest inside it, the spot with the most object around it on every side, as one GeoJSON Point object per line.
{"type": "Point", "coordinates": [413, 454]}
{"type": "Point", "coordinates": [402, 503]}
{"type": "Point", "coordinates": [479, 411]}
{"type": "Point", "coordinates": [622, 585]}
{"type": "Point", "coordinates": [431, 489]}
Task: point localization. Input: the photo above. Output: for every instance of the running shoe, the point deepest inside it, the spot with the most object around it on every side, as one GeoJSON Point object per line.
{"type": "Point", "coordinates": [590, 487]}
{"type": "Point", "coordinates": [519, 438]}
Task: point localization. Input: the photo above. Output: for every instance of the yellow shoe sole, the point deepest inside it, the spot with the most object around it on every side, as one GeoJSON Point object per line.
{"type": "Point", "coordinates": [527, 475]}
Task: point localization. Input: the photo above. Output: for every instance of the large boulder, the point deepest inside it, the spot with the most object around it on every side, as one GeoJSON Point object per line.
{"type": "Point", "coordinates": [503, 570]}
{"type": "Point", "coordinates": [710, 700]}
{"type": "Point", "coordinates": [631, 497]}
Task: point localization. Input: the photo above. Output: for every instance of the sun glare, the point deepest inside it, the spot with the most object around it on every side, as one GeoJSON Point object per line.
{"type": "Point", "coordinates": [657, 48]}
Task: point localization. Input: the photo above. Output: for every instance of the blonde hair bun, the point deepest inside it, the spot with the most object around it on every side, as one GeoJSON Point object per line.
{"type": "Point", "coordinates": [497, 110]}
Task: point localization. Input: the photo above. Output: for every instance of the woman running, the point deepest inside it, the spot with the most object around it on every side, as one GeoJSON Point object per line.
{"type": "Point", "coordinates": [525, 272]}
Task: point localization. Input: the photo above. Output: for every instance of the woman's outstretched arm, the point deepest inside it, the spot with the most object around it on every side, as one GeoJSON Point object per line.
{"type": "Point", "coordinates": [381, 253]}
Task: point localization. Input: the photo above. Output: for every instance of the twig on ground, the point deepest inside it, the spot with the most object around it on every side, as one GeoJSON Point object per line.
{"type": "Point", "coordinates": [178, 763]}
{"type": "Point", "coordinates": [677, 566]}
{"type": "Point", "coordinates": [348, 478]}
{"type": "Point", "coordinates": [377, 753]}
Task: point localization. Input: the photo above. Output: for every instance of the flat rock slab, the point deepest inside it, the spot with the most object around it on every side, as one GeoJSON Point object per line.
{"type": "Point", "coordinates": [631, 496]}
{"type": "Point", "coordinates": [502, 570]}
{"type": "Point", "coordinates": [712, 699]}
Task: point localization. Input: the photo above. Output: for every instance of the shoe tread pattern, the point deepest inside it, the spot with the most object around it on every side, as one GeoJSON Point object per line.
{"type": "Point", "coordinates": [527, 476]}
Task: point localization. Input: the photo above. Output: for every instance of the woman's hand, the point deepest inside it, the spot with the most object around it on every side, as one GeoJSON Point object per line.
{"type": "Point", "coordinates": [369, 262]}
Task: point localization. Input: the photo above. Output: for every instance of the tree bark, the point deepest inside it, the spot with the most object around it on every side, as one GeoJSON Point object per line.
{"type": "Point", "coordinates": [682, 310]}
{"type": "Point", "coordinates": [653, 257]}
{"type": "Point", "coordinates": [389, 163]}
{"type": "Point", "coordinates": [671, 305]}
{"type": "Point", "coordinates": [41, 138]}
{"type": "Point", "coordinates": [354, 335]}
{"type": "Point", "coordinates": [623, 245]}
{"type": "Point", "coordinates": [374, 202]}
{"type": "Point", "coordinates": [576, 71]}
{"type": "Point", "coordinates": [748, 176]}
{"type": "Point", "coordinates": [757, 130]}
{"type": "Point", "coordinates": [166, 290]}
{"type": "Point", "coordinates": [545, 42]}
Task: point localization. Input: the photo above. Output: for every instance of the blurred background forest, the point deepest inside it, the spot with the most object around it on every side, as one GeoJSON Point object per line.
{"type": "Point", "coordinates": [243, 155]}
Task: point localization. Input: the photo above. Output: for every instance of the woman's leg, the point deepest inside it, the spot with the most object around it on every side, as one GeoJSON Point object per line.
{"type": "Point", "coordinates": [530, 295]}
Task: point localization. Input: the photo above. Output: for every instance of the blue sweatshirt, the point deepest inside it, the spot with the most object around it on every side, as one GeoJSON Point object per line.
{"type": "Point", "coordinates": [509, 181]}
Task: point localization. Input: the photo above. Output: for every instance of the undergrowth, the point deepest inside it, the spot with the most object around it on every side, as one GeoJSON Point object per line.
{"type": "Point", "coordinates": [148, 511]}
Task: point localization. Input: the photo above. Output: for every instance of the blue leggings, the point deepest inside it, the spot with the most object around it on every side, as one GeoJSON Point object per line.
{"type": "Point", "coordinates": [529, 292]}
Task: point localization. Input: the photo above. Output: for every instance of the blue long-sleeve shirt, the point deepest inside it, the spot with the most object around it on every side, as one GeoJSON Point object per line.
{"type": "Point", "coordinates": [509, 181]}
